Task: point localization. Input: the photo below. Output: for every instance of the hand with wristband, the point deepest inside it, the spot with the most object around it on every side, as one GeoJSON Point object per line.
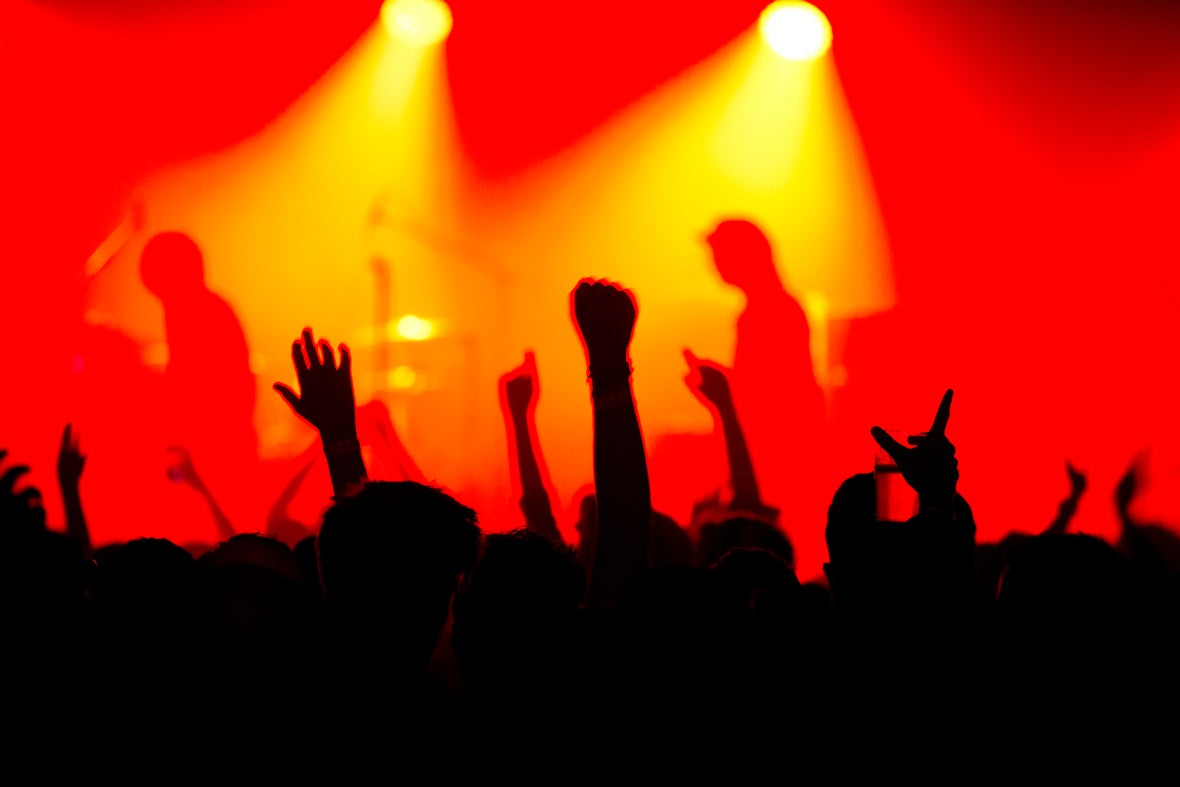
{"type": "Point", "coordinates": [604, 315]}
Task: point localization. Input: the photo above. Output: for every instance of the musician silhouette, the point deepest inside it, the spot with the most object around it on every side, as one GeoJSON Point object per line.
{"type": "Point", "coordinates": [209, 390]}
{"type": "Point", "coordinates": [779, 401]}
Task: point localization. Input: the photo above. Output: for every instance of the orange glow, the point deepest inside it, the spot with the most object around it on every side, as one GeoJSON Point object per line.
{"type": "Point", "coordinates": [414, 329]}
{"type": "Point", "coordinates": [417, 22]}
{"type": "Point", "coordinates": [743, 133]}
{"type": "Point", "coordinates": [796, 30]}
{"type": "Point", "coordinates": [298, 167]}
{"type": "Point", "coordinates": [289, 221]}
{"type": "Point", "coordinates": [402, 377]}
{"type": "Point", "coordinates": [366, 166]}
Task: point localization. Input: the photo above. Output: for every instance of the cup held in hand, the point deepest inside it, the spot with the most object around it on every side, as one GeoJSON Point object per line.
{"type": "Point", "coordinates": [896, 499]}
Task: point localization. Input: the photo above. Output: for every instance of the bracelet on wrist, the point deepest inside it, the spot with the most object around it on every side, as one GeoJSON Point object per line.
{"type": "Point", "coordinates": [609, 400]}
{"type": "Point", "coordinates": [345, 446]}
{"type": "Point", "coordinates": [609, 372]}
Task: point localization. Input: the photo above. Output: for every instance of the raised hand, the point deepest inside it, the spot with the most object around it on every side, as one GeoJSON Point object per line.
{"type": "Point", "coordinates": [521, 387]}
{"type": "Point", "coordinates": [70, 463]}
{"type": "Point", "coordinates": [325, 399]}
{"type": "Point", "coordinates": [1068, 506]}
{"type": "Point", "coordinates": [70, 460]}
{"type": "Point", "coordinates": [376, 429]}
{"type": "Point", "coordinates": [181, 468]}
{"type": "Point", "coordinates": [1127, 487]}
{"type": "Point", "coordinates": [23, 507]}
{"type": "Point", "coordinates": [604, 314]}
{"type": "Point", "coordinates": [929, 466]}
{"type": "Point", "coordinates": [1077, 480]}
{"type": "Point", "coordinates": [327, 402]}
{"type": "Point", "coordinates": [708, 381]}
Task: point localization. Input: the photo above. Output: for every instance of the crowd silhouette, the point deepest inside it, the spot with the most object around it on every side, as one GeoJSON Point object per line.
{"type": "Point", "coordinates": [398, 610]}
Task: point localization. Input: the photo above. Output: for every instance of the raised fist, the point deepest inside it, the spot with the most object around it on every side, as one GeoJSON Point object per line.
{"type": "Point", "coordinates": [520, 387]}
{"type": "Point", "coordinates": [1077, 480]}
{"type": "Point", "coordinates": [1128, 486]}
{"type": "Point", "coordinates": [604, 314]}
{"type": "Point", "coordinates": [708, 381]}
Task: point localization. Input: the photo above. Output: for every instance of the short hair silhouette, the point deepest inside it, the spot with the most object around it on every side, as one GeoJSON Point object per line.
{"type": "Point", "coordinates": [514, 618]}
{"type": "Point", "coordinates": [742, 253]}
{"type": "Point", "coordinates": [255, 592]}
{"type": "Point", "coordinates": [743, 532]}
{"type": "Point", "coordinates": [391, 557]}
{"type": "Point", "coordinates": [887, 568]}
{"type": "Point", "coordinates": [1070, 578]}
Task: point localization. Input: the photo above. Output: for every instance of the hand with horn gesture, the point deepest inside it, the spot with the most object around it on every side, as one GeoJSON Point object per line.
{"type": "Point", "coordinates": [929, 466]}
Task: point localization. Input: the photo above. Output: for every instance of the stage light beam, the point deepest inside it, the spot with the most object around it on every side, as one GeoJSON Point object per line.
{"type": "Point", "coordinates": [795, 30]}
{"type": "Point", "coordinates": [419, 23]}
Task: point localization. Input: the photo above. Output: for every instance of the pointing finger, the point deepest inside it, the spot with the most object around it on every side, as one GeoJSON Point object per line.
{"type": "Point", "coordinates": [943, 415]}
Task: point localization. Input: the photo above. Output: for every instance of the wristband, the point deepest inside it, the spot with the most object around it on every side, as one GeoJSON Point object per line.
{"type": "Point", "coordinates": [345, 446]}
{"type": "Point", "coordinates": [610, 400]}
{"type": "Point", "coordinates": [609, 373]}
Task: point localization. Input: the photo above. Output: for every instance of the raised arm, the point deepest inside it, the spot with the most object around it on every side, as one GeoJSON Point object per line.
{"type": "Point", "coordinates": [182, 470]}
{"type": "Point", "coordinates": [278, 519]}
{"type": "Point", "coordinates": [709, 383]}
{"type": "Point", "coordinates": [604, 315]}
{"type": "Point", "coordinates": [374, 417]}
{"type": "Point", "coordinates": [923, 569]}
{"type": "Point", "coordinates": [326, 401]}
{"type": "Point", "coordinates": [1134, 540]}
{"type": "Point", "coordinates": [23, 508]}
{"type": "Point", "coordinates": [1069, 506]}
{"type": "Point", "coordinates": [520, 391]}
{"type": "Point", "coordinates": [70, 462]}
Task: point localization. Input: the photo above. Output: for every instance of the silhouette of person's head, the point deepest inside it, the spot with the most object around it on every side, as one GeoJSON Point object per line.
{"type": "Point", "coordinates": [391, 557]}
{"type": "Point", "coordinates": [743, 532]}
{"type": "Point", "coordinates": [743, 255]}
{"type": "Point", "coordinates": [147, 590]}
{"type": "Point", "coordinates": [171, 266]}
{"type": "Point", "coordinates": [1067, 580]}
{"type": "Point", "coordinates": [1071, 600]}
{"type": "Point", "coordinates": [513, 618]}
{"type": "Point", "coordinates": [882, 569]}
